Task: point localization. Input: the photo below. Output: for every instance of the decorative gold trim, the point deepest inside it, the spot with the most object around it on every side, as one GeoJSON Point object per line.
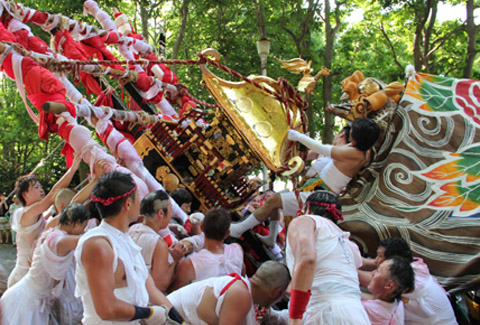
{"type": "Point", "coordinates": [259, 117]}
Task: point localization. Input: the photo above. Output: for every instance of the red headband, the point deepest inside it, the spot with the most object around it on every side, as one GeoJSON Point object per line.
{"type": "Point", "coordinates": [112, 199]}
{"type": "Point", "coordinates": [330, 207]}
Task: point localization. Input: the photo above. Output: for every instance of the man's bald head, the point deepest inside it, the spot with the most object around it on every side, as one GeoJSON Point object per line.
{"type": "Point", "coordinates": [271, 275]}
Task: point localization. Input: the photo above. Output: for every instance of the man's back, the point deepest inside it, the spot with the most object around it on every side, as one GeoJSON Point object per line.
{"type": "Point", "coordinates": [203, 301]}
{"type": "Point", "coordinates": [428, 303]}
{"type": "Point", "coordinates": [147, 238]}
{"type": "Point", "coordinates": [207, 264]}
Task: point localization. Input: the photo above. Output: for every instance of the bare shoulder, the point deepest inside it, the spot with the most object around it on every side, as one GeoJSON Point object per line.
{"type": "Point", "coordinates": [239, 295]}
{"type": "Point", "coordinates": [185, 269]}
{"type": "Point", "coordinates": [236, 305]}
{"type": "Point", "coordinates": [301, 229]}
{"type": "Point", "coordinates": [161, 246]}
{"type": "Point", "coordinates": [348, 152]}
{"type": "Point", "coordinates": [301, 222]}
{"type": "Point", "coordinates": [185, 263]}
{"type": "Point", "coordinates": [97, 249]}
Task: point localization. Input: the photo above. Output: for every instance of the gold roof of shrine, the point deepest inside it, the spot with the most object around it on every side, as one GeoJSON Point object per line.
{"type": "Point", "coordinates": [260, 117]}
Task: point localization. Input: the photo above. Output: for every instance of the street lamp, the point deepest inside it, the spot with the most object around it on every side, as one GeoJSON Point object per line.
{"type": "Point", "coordinates": [263, 47]}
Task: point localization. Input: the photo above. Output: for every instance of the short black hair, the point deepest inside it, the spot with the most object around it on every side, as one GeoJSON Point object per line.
{"type": "Point", "coordinates": [74, 213]}
{"type": "Point", "coordinates": [181, 196]}
{"type": "Point", "coordinates": [111, 185]}
{"type": "Point", "coordinates": [365, 132]}
{"type": "Point", "coordinates": [148, 207]}
{"type": "Point", "coordinates": [22, 185]}
{"type": "Point", "coordinates": [94, 213]}
{"type": "Point", "coordinates": [216, 224]}
{"type": "Point", "coordinates": [346, 130]}
{"type": "Point", "coordinates": [402, 274]}
{"type": "Point", "coordinates": [396, 246]}
{"type": "Point", "coordinates": [323, 197]}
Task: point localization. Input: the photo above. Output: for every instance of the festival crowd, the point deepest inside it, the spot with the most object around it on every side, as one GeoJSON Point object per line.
{"type": "Point", "coordinates": [127, 249]}
{"type": "Point", "coordinates": [109, 254]}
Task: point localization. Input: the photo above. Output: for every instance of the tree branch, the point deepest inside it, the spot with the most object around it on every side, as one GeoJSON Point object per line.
{"type": "Point", "coordinates": [260, 11]}
{"type": "Point", "coordinates": [452, 68]}
{"type": "Point", "coordinates": [477, 28]}
{"type": "Point", "coordinates": [390, 44]}
{"type": "Point", "coordinates": [428, 31]}
{"type": "Point", "coordinates": [282, 26]}
{"type": "Point", "coordinates": [443, 39]}
{"type": "Point", "coordinates": [156, 4]}
{"type": "Point", "coordinates": [181, 32]}
{"type": "Point", "coordinates": [310, 12]}
{"type": "Point", "coordinates": [338, 23]}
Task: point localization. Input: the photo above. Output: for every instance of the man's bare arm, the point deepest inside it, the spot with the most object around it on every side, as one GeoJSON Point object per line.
{"type": "Point", "coordinates": [184, 275]}
{"type": "Point", "coordinates": [66, 244]}
{"type": "Point", "coordinates": [368, 264]}
{"type": "Point", "coordinates": [301, 237]}
{"type": "Point", "coordinates": [162, 271]}
{"type": "Point", "coordinates": [85, 193]}
{"type": "Point", "coordinates": [364, 277]}
{"type": "Point", "coordinates": [236, 305]}
{"type": "Point", "coordinates": [156, 296]}
{"type": "Point", "coordinates": [97, 258]}
{"type": "Point", "coordinates": [345, 153]}
{"type": "Point", "coordinates": [32, 213]}
{"type": "Point", "coordinates": [52, 222]}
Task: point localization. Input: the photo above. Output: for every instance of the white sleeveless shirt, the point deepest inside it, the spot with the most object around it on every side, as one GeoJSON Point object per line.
{"type": "Point", "coordinates": [147, 239]}
{"type": "Point", "coordinates": [186, 299]}
{"type": "Point", "coordinates": [136, 272]}
{"type": "Point", "coordinates": [26, 238]}
{"type": "Point", "coordinates": [208, 265]}
{"type": "Point", "coordinates": [29, 300]}
{"type": "Point", "coordinates": [335, 282]}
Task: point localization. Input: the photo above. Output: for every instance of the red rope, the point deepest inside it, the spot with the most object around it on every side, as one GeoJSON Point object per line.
{"type": "Point", "coordinates": [286, 95]}
{"type": "Point", "coordinates": [283, 97]}
{"type": "Point", "coordinates": [201, 102]}
{"type": "Point", "coordinates": [67, 65]}
{"type": "Point", "coordinates": [297, 99]}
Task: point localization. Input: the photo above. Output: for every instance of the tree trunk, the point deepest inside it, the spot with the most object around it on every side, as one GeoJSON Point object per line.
{"type": "Point", "coordinates": [429, 58]}
{"type": "Point", "coordinates": [144, 18]}
{"type": "Point", "coordinates": [421, 17]}
{"type": "Point", "coordinates": [181, 33]}
{"type": "Point", "coordinates": [301, 37]}
{"type": "Point", "coordinates": [472, 32]}
{"type": "Point", "coordinates": [330, 33]}
{"type": "Point", "coordinates": [260, 11]}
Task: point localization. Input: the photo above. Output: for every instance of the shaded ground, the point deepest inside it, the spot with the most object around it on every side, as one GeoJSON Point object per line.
{"type": "Point", "coordinates": [8, 254]}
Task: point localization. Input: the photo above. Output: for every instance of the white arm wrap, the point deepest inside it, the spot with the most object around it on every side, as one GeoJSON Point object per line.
{"type": "Point", "coordinates": [314, 145]}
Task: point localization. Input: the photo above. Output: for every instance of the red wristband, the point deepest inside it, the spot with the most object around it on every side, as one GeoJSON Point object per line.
{"type": "Point", "coordinates": [298, 303]}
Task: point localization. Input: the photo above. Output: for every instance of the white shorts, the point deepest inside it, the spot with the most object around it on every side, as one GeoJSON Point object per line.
{"type": "Point", "coordinates": [290, 203]}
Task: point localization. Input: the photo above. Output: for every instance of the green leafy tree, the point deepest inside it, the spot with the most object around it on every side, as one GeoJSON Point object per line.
{"type": "Point", "coordinates": [22, 150]}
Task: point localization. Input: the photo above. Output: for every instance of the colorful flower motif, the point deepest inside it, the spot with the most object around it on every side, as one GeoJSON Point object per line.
{"type": "Point", "coordinates": [465, 198]}
{"type": "Point", "coordinates": [446, 95]}
{"type": "Point", "coordinates": [456, 179]}
{"type": "Point", "coordinates": [468, 98]}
